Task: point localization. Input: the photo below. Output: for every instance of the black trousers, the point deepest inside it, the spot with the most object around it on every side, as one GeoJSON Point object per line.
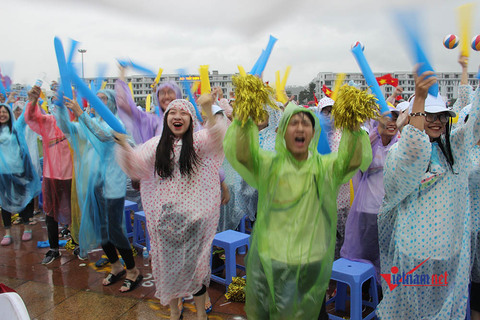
{"type": "Point", "coordinates": [111, 252]}
{"type": "Point", "coordinates": [25, 215]}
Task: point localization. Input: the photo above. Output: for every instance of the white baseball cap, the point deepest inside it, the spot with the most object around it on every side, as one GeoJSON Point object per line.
{"type": "Point", "coordinates": [435, 105]}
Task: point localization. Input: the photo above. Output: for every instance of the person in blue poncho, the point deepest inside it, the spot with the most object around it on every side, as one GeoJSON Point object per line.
{"type": "Point", "coordinates": [19, 182]}
{"type": "Point", "coordinates": [102, 199]}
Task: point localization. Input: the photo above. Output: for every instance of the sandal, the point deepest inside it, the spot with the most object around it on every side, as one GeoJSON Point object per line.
{"type": "Point", "coordinates": [27, 235]}
{"type": "Point", "coordinates": [7, 240]}
{"type": "Point", "coordinates": [112, 278]}
{"type": "Point", "coordinates": [208, 304]}
{"type": "Point", "coordinates": [130, 284]}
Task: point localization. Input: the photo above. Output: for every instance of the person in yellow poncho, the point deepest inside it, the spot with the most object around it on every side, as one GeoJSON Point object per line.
{"type": "Point", "coordinates": [292, 246]}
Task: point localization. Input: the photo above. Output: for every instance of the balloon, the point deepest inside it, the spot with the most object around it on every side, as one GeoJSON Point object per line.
{"type": "Point", "coordinates": [97, 104]}
{"type": "Point", "coordinates": [148, 103]}
{"type": "Point", "coordinates": [204, 80]}
{"type": "Point", "coordinates": [370, 78]}
{"type": "Point", "coordinates": [186, 86]}
{"type": "Point", "coordinates": [450, 41]}
{"type": "Point", "coordinates": [66, 87]}
{"type": "Point", "coordinates": [157, 78]}
{"type": "Point", "coordinates": [476, 43]}
{"type": "Point", "coordinates": [130, 63]}
{"type": "Point", "coordinates": [259, 66]}
{"type": "Point", "coordinates": [323, 147]}
{"type": "Point", "coordinates": [358, 43]}
{"type": "Point", "coordinates": [465, 17]}
{"type": "Point", "coordinates": [410, 25]}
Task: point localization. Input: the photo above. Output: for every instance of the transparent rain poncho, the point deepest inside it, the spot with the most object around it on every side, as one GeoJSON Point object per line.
{"type": "Point", "coordinates": [100, 182]}
{"type": "Point", "coordinates": [290, 258]}
{"type": "Point", "coordinates": [426, 214]}
{"type": "Point", "coordinates": [474, 188]}
{"type": "Point", "coordinates": [19, 181]}
{"type": "Point", "coordinates": [182, 212]}
{"type": "Point", "coordinates": [361, 230]}
{"type": "Point", "coordinates": [140, 124]}
{"type": "Point", "coordinates": [57, 164]}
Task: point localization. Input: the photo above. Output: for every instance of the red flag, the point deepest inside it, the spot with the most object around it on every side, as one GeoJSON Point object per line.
{"type": "Point", "coordinates": [327, 91]}
{"type": "Point", "coordinates": [315, 98]}
{"type": "Point", "coordinates": [387, 79]}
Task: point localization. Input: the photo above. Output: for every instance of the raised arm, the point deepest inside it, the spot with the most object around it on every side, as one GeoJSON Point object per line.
{"type": "Point", "coordinates": [210, 140]}
{"type": "Point", "coordinates": [465, 91]}
{"type": "Point", "coordinates": [138, 163]}
{"type": "Point", "coordinates": [354, 153]}
{"type": "Point", "coordinates": [37, 121]}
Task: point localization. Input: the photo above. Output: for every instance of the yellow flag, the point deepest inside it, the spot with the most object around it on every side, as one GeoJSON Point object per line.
{"type": "Point", "coordinates": [104, 84]}
{"type": "Point", "coordinates": [205, 80]}
{"type": "Point", "coordinates": [148, 103]}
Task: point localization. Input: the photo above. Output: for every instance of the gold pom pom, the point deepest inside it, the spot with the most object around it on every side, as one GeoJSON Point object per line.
{"type": "Point", "coordinates": [353, 107]}
{"type": "Point", "coordinates": [236, 290]}
{"type": "Point", "coordinates": [251, 97]}
{"type": "Point", "coordinates": [70, 246]}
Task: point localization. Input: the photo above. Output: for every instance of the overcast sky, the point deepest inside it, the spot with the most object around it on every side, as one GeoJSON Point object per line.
{"type": "Point", "coordinates": [313, 35]}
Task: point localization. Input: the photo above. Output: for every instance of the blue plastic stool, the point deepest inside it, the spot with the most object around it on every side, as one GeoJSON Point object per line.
{"type": "Point", "coordinates": [140, 235]}
{"type": "Point", "coordinates": [241, 228]}
{"type": "Point", "coordinates": [129, 206]}
{"type": "Point", "coordinates": [354, 274]}
{"type": "Point", "coordinates": [230, 241]}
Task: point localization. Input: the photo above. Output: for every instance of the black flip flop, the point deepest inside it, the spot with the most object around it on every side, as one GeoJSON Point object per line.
{"type": "Point", "coordinates": [130, 284]}
{"type": "Point", "coordinates": [112, 278]}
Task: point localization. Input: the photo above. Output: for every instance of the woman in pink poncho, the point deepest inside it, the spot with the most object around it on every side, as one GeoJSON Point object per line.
{"type": "Point", "coordinates": [180, 190]}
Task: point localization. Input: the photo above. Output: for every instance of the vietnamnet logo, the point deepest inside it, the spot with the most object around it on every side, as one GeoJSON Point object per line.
{"type": "Point", "coordinates": [410, 279]}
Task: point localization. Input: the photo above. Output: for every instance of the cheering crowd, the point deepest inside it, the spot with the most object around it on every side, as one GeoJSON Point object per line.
{"type": "Point", "coordinates": [397, 191]}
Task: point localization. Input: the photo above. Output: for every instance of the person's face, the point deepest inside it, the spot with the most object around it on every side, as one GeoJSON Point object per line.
{"type": "Point", "coordinates": [17, 113]}
{"type": "Point", "coordinates": [178, 121]}
{"type": "Point", "coordinates": [103, 97]}
{"type": "Point", "coordinates": [435, 124]}
{"type": "Point", "coordinates": [165, 96]}
{"type": "Point", "coordinates": [327, 111]}
{"type": "Point", "coordinates": [2, 98]}
{"type": "Point", "coordinates": [388, 125]}
{"type": "Point", "coordinates": [298, 135]}
{"type": "Point", "coordinates": [4, 115]}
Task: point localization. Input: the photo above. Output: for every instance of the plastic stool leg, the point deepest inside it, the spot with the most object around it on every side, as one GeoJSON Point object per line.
{"type": "Point", "coordinates": [341, 296]}
{"type": "Point", "coordinates": [356, 302]}
{"type": "Point", "coordinates": [230, 264]}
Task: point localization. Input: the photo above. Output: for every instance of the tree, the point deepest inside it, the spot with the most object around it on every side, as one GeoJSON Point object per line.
{"type": "Point", "coordinates": [307, 94]}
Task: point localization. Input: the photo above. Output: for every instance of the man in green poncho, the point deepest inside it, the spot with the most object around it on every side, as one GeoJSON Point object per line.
{"type": "Point", "coordinates": [292, 246]}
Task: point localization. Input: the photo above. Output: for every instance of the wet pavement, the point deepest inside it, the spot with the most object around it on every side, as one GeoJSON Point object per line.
{"type": "Point", "coordinates": [70, 288]}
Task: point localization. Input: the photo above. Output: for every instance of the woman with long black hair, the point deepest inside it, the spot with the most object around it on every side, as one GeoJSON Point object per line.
{"type": "Point", "coordinates": [178, 174]}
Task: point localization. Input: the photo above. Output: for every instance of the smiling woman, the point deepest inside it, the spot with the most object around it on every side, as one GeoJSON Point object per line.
{"type": "Point", "coordinates": [180, 191]}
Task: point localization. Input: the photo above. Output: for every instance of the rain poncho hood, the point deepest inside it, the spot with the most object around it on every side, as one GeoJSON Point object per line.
{"type": "Point", "coordinates": [292, 246]}
{"type": "Point", "coordinates": [19, 181]}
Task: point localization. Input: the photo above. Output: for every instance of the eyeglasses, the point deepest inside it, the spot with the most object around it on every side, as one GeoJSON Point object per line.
{"type": "Point", "coordinates": [432, 117]}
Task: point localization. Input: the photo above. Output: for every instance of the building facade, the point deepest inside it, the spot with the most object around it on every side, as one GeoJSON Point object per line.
{"type": "Point", "coordinates": [448, 82]}
{"type": "Point", "coordinates": [141, 85]}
